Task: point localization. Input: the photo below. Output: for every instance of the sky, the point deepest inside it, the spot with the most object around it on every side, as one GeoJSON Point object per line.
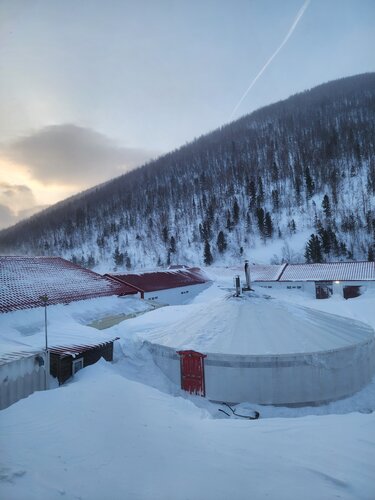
{"type": "Point", "coordinates": [90, 89]}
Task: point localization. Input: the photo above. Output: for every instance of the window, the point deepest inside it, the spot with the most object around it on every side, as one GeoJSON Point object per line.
{"type": "Point", "coordinates": [77, 365]}
{"type": "Point", "coordinates": [323, 289]}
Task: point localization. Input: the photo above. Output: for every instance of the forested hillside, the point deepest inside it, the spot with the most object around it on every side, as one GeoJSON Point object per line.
{"type": "Point", "coordinates": [301, 167]}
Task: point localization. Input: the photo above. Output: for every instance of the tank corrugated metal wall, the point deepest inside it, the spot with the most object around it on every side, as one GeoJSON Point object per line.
{"type": "Point", "coordinates": [291, 379]}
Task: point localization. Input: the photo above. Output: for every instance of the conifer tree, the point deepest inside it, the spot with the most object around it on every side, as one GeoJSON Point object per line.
{"type": "Point", "coordinates": [313, 250]}
{"type": "Point", "coordinates": [371, 254]}
{"type": "Point", "coordinates": [207, 255]}
{"type": "Point", "coordinates": [164, 234]}
{"type": "Point", "coordinates": [275, 172]}
{"type": "Point", "coordinates": [260, 197]}
{"type": "Point", "coordinates": [252, 194]}
{"type": "Point", "coordinates": [221, 242]}
{"type": "Point", "coordinates": [326, 205]}
{"type": "Point", "coordinates": [275, 199]}
{"type": "Point", "coordinates": [236, 212]}
{"type": "Point", "coordinates": [310, 185]}
{"type": "Point", "coordinates": [292, 226]}
{"type": "Point", "coordinates": [268, 226]}
{"type": "Point", "coordinates": [172, 243]}
{"type": "Point", "coordinates": [260, 219]}
{"type": "Point", "coordinates": [118, 257]}
{"type": "Point", "coordinates": [128, 264]}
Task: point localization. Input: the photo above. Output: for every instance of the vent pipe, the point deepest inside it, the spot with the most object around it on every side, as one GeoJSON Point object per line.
{"type": "Point", "coordinates": [247, 274]}
{"type": "Point", "coordinates": [238, 285]}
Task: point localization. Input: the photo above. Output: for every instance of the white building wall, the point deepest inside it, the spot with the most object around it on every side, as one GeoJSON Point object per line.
{"type": "Point", "coordinates": [309, 286]}
{"type": "Point", "coordinates": [20, 378]}
{"type": "Point", "coordinates": [176, 296]}
{"type": "Point", "coordinates": [303, 286]}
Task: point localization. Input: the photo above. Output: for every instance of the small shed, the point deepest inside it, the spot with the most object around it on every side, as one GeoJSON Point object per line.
{"type": "Point", "coordinates": [65, 361]}
{"type": "Point", "coordinates": [173, 286]}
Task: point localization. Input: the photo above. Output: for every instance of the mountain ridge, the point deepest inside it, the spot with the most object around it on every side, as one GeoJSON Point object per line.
{"type": "Point", "coordinates": [256, 180]}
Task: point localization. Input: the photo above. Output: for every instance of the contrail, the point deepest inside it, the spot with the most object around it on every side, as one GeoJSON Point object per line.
{"type": "Point", "coordinates": [288, 35]}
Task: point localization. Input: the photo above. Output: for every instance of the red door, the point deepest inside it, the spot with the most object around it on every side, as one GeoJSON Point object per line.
{"type": "Point", "coordinates": [192, 372]}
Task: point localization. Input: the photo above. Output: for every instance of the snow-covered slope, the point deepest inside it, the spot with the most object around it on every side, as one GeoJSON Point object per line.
{"type": "Point", "coordinates": [259, 187]}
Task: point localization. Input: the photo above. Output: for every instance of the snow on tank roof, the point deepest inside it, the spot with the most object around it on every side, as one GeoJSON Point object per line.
{"type": "Point", "coordinates": [261, 326]}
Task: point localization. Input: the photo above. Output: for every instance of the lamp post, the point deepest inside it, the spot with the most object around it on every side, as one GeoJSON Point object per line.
{"type": "Point", "coordinates": [44, 300]}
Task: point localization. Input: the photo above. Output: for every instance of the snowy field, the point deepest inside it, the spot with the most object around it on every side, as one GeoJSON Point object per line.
{"type": "Point", "coordinates": [123, 431]}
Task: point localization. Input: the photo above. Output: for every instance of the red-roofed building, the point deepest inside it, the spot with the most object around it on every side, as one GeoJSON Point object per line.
{"type": "Point", "coordinates": [24, 279]}
{"type": "Point", "coordinates": [174, 286]}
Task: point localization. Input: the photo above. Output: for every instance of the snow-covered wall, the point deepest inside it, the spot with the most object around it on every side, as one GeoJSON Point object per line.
{"type": "Point", "coordinates": [21, 377]}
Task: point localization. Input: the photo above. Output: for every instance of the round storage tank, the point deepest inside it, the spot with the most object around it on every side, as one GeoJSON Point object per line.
{"type": "Point", "coordinates": [266, 351]}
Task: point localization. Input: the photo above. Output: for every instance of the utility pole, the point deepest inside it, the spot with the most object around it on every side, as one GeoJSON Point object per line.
{"type": "Point", "coordinates": [44, 300]}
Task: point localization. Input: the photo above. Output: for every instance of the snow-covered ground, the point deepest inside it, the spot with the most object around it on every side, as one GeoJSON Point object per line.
{"type": "Point", "coordinates": [122, 430]}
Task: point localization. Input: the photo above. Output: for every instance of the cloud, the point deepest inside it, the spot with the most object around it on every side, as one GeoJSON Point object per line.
{"type": "Point", "coordinates": [7, 217]}
{"type": "Point", "coordinates": [16, 197]}
{"type": "Point", "coordinates": [73, 155]}
{"type": "Point", "coordinates": [17, 202]}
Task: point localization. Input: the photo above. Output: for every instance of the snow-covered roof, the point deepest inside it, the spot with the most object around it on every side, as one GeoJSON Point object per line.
{"type": "Point", "coordinates": [66, 350]}
{"type": "Point", "coordinates": [13, 355]}
{"type": "Point", "coordinates": [162, 280]}
{"type": "Point", "coordinates": [260, 326]}
{"type": "Point", "coordinates": [24, 279]}
{"type": "Point", "coordinates": [22, 331]}
{"type": "Point", "coordinates": [266, 273]}
{"type": "Point", "coordinates": [330, 271]}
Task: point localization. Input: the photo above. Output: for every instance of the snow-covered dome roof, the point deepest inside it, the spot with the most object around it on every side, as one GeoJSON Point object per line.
{"type": "Point", "coordinates": [253, 325]}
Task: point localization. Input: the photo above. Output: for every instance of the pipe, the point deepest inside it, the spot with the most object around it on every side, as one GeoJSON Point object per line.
{"type": "Point", "coordinates": [238, 286]}
{"type": "Point", "coordinates": [247, 273]}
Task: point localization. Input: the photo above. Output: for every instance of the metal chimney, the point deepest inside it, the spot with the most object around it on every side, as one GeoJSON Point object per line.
{"type": "Point", "coordinates": [247, 273]}
{"type": "Point", "coordinates": [238, 285]}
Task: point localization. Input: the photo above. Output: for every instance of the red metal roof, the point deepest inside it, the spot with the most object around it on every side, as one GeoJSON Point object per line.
{"type": "Point", "coordinates": [24, 279]}
{"type": "Point", "coordinates": [162, 280]}
{"type": "Point", "coordinates": [330, 271]}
